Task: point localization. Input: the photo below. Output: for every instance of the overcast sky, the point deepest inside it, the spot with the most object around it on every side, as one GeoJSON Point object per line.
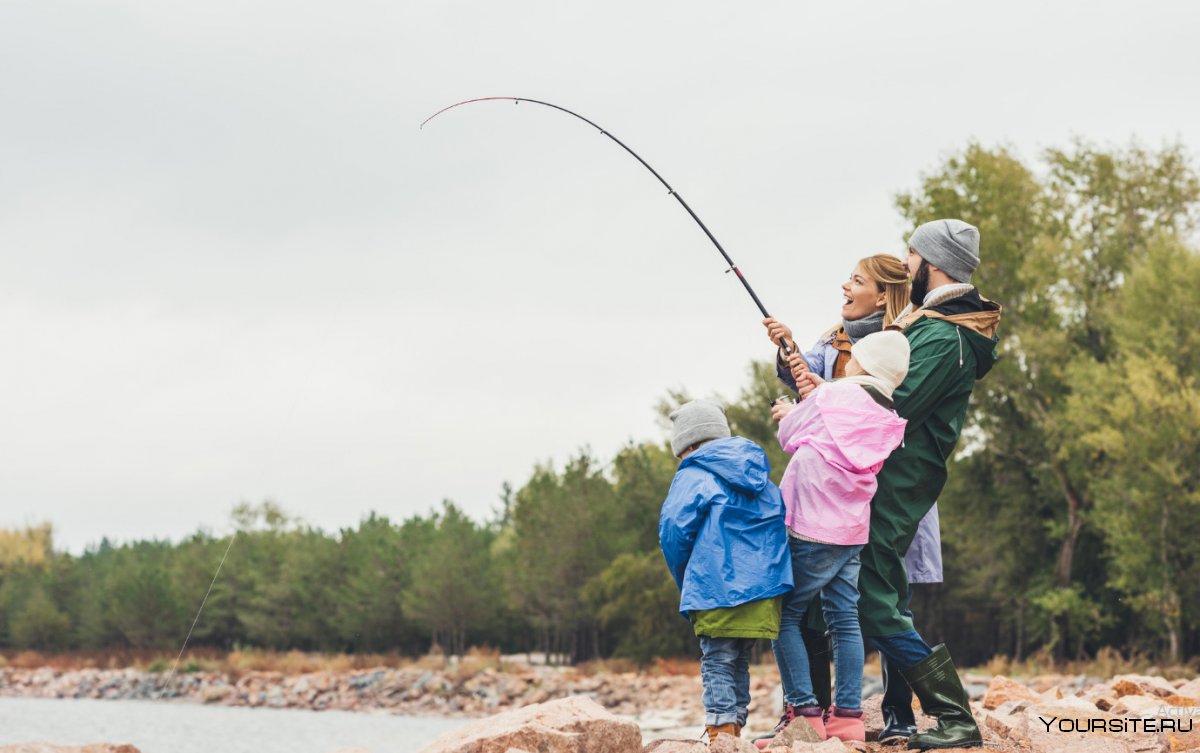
{"type": "Point", "coordinates": [232, 268]}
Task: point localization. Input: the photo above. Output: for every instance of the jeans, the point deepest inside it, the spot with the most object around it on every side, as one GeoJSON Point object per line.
{"type": "Point", "coordinates": [832, 571]}
{"type": "Point", "coordinates": [902, 650]}
{"type": "Point", "coordinates": [725, 671]}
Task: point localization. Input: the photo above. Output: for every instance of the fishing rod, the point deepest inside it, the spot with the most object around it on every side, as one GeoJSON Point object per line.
{"type": "Point", "coordinates": [732, 267]}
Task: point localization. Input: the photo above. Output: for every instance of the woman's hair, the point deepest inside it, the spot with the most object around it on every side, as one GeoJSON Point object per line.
{"type": "Point", "coordinates": [891, 277]}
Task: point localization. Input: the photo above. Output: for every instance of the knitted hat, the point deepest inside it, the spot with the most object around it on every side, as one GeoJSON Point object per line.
{"type": "Point", "coordinates": [696, 421]}
{"type": "Point", "coordinates": [883, 355]}
{"type": "Point", "coordinates": [950, 245]}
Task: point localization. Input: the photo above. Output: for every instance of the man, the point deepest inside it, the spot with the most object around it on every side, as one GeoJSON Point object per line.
{"type": "Point", "coordinates": [951, 331]}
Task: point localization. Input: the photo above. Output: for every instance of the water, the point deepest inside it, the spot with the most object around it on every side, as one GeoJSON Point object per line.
{"type": "Point", "coordinates": [165, 727]}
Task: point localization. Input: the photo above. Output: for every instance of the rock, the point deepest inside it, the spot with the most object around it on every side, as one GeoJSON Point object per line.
{"type": "Point", "coordinates": [1011, 707]}
{"type": "Point", "coordinates": [1125, 687]}
{"type": "Point", "coordinates": [48, 748]}
{"type": "Point", "coordinates": [832, 745]}
{"type": "Point", "coordinates": [1191, 688]}
{"type": "Point", "coordinates": [1003, 690]}
{"type": "Point", "coordinates": [1042, 683]}
{"type": "Point", "coordinates": [676, 746]}
{"type": "Point", "coordinates": [1142, 685]}
{"type": "Point", "coordinates": [731, 744]}
{"type": "Point", "coordinates": [1181, 701]}
{"type": "Point", "coordinates": [1183, 741]}
{"type": "Point", "coordinates": [797, 731]}
{"type": "Point", "coordinates": [1003, 726]}
{"type": "Point", "coordinates": [567, 725]}
{"type": "Point", "coordinates": [1138, 705]}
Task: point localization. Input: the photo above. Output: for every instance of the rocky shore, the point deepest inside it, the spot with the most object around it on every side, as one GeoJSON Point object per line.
{"type": "Point", "coordinates": [1045, 714]}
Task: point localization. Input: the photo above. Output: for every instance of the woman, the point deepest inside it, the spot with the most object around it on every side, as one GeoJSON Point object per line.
{"type": "Point", "coordinates": [877, 291]}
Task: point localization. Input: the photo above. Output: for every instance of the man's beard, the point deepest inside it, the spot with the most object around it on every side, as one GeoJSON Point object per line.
{"type": "Point", "coordinates": [920, 285]}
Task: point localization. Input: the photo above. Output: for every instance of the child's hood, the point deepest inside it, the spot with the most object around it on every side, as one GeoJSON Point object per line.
{"type": "Point", "coordinates": [735, 460]}
{"type": "Point", "coordinates": [863, 433]}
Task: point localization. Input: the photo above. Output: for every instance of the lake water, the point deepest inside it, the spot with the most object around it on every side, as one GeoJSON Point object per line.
{"type": "Point", "coordinates": [164, 727]}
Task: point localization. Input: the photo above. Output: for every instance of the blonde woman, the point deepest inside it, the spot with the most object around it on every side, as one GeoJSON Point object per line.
{"type": "Point", "coordinates": [876, 292]}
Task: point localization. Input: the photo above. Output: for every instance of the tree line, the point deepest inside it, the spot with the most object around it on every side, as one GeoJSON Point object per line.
{"type": "Point", "coordinates": [1071, 520]}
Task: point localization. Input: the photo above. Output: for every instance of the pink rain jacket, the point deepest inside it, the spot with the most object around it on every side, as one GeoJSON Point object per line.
{"type": "Point", "coordinates": [838, 439]}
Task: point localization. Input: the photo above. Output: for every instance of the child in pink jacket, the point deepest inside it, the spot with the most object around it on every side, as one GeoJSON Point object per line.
{"type": "Point", "coordinates": [838, 436]}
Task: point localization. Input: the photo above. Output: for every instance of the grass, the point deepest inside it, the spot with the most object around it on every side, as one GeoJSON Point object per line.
{"type": "Point", "coordinates": [1107, 663]}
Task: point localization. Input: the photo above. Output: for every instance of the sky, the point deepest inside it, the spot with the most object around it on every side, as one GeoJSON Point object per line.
{"type": "Point", "coordinates": [232, 268]}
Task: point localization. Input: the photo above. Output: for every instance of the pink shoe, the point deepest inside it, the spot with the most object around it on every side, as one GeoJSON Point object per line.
{"type": "Point", "coordinates": [789, 713]}
{"type": "Point", "coordinates": [816, 719]}
{"type": "Point", "coordinates": [810, 715]}
{"type": "Point", "coordinates": [846, 725]}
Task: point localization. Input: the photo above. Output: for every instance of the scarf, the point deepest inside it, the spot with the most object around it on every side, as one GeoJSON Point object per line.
{"type": "Point", "coordinates": [857, 329]}
{"type": "Point", "coordinates": [875, 383]}
{"type": "Point", "coordinates": [939, 295]}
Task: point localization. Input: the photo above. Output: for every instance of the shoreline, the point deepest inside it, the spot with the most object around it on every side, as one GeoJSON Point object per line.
{"type": "Point", "coordinates": [411, 691]}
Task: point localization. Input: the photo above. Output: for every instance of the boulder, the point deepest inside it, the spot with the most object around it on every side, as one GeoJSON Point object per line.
{"type": "Point", "coordinates": [1002, 690]}
{"type": "Point", "coordinates": [566, 725]}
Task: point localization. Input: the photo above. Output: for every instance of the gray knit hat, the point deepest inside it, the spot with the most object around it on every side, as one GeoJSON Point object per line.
{"type": "Point", "coordinates": [950, 245]}
{"type": "Point", "coordinates": [695, 422]}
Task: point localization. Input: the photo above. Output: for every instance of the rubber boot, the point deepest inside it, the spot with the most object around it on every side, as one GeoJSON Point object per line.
{"type": "Point", "coordinates": [817, 646]}
{"type": "Point", "coordinates": [721, 729]}
{"type": "Point", "coordinates": [937, 685]}
{"type": "Point", "coordinates": [899, 722]}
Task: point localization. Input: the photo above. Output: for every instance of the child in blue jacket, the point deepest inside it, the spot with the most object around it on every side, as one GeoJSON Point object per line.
{"type": "Point", "coordinates": [722, 533]}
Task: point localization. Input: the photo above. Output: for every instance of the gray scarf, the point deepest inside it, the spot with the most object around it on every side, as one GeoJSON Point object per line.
{"type": "Point", "coordinates": [857, 329]}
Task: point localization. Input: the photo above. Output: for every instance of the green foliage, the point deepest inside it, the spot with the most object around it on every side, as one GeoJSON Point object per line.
{"type": "Point", "coordinates": [453, 587]}
{"type": "Point", "coordinates": [1063, 249]}
{"type": "Point", "coordinates": [636, 599]}
{"type": "Point", "coordinates": [38, 623]}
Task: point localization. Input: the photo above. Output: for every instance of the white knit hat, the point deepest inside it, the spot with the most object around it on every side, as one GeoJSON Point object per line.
{"type": "Point", "coordinates": [883, 355]}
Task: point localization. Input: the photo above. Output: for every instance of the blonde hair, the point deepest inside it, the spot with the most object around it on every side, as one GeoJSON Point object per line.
{"type": "Point", "coordinates": [891, 277]}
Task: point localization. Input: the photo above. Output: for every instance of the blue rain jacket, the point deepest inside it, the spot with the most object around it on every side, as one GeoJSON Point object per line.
{"type": "Point", "coordinates": [721, 528]}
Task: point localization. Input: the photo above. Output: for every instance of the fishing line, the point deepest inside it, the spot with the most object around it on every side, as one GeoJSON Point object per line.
{"type": "Point", "coordinates": [732, 267]}
{"type": "Point", "coordinates": [266, 465]}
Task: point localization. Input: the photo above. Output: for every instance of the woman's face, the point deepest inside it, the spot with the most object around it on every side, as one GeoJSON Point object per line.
{"type": "Point", "coordinates": [862, 296]}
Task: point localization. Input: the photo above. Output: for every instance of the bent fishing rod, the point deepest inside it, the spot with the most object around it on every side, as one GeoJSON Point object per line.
{"type": "Point", "coordinates": [732, 267]}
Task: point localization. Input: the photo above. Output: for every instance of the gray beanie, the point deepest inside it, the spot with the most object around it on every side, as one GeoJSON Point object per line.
{"type": "Point", "coordinates": [950, 245]}
{"type": "Point", "coordinates": [695, 422]}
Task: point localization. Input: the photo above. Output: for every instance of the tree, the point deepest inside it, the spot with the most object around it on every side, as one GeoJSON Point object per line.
{"type": "Point", "coordinates": [1055, 252]}
{"type": "Point", "coordinates": [1139, 419]}
{"type": "Point", "coordinates": [453, 584]}
{"type": "Point", "coordinates": [558, 543]}
{"type": "Point", "coordinates": [636, 599]}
